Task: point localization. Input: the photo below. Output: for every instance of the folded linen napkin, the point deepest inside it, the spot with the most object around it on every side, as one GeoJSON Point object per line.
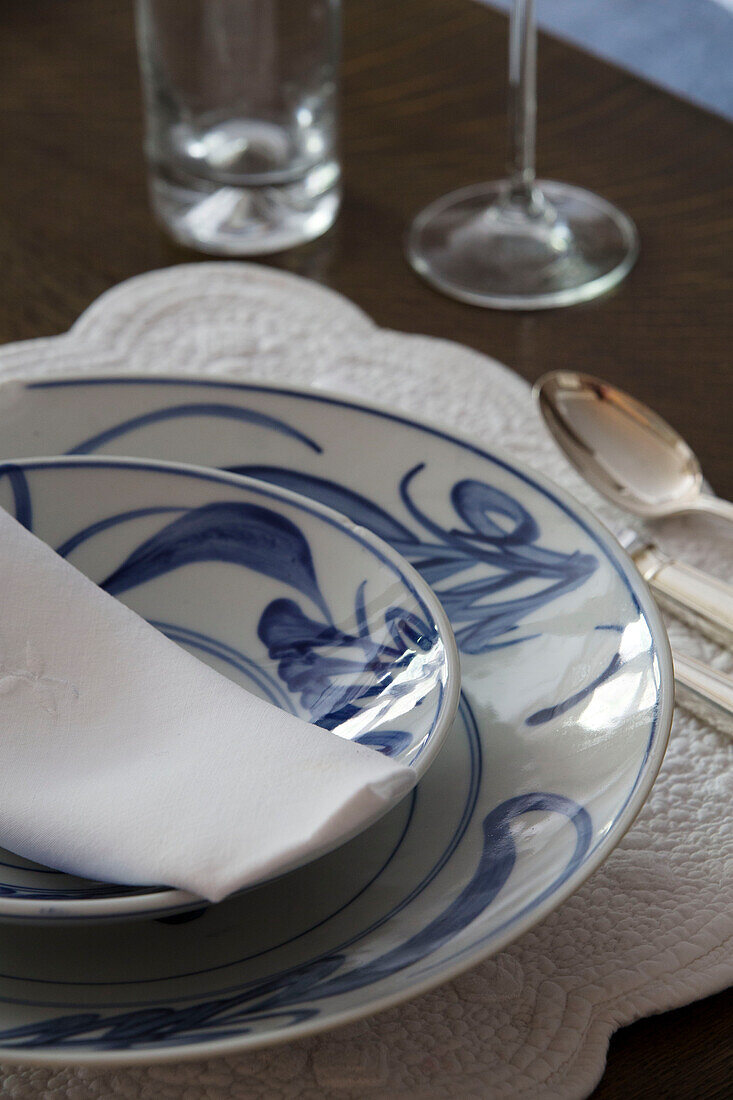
{"type": "Point", "coordinates": [126, 759]}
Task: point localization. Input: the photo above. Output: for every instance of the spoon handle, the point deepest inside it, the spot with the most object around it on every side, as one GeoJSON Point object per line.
{"type": "Point", "coordinates": [713, 506]}
{"type": "Point", "coordinates": [705, 692]}
{"type": "Point", "coordinates": [699, 599]}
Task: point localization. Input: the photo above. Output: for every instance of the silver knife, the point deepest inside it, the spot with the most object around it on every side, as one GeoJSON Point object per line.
{"type": "Point", "coordinates": [699, 599]}
{"type": "Point", "coordinates": [703, 602]}
{"type": "Point", "coordinates": [704, 692]}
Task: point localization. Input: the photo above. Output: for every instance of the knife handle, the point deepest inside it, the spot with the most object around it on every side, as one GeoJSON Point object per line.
{"type": "Point", "coordinates": [705, 692]}
{"type": "Point", "coordinates": [695, 597]}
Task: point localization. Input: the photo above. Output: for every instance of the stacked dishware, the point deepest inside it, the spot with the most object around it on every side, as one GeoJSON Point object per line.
{"type": "Point", "coordinates": [238, 519]}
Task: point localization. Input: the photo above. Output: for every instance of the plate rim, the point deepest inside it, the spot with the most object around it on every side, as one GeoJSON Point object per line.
{"type": "Point", "coordinates": [651, 763]}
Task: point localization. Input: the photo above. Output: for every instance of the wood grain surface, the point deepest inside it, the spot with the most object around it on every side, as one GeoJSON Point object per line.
{"type": "Point", "coordinates": [423, 112]}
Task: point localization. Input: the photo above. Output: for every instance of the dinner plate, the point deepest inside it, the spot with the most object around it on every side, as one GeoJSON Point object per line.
{"type": "Point", "coordinates": [563, 721]}
{"type": "Point", "coordinates": [283, 596]}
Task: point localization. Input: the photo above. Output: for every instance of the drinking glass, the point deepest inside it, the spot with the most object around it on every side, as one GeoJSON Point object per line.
{"type": "Point", "coordinates": [241, 119]}
{"type": "Point", "coordinates": [522, 243]}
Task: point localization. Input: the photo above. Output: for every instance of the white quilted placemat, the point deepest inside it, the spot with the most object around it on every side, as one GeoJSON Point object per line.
{"type": "Point", "coordinates": [651, 930]}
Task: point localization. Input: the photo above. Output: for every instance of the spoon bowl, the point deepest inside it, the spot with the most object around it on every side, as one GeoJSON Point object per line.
{"type": "Point", "coordinates": [627, 452]}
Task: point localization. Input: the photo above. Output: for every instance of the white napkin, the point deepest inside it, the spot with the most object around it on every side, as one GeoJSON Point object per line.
{"type": "Point", "coordinates": [124, 758]}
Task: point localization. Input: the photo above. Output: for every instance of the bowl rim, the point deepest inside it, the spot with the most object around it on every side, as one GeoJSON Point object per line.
{"type": "Point", "coordinates": [151, 902]}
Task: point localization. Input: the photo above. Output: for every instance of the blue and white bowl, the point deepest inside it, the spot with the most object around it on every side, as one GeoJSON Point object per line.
{"type": "Point", "coordinates": [283, 595]}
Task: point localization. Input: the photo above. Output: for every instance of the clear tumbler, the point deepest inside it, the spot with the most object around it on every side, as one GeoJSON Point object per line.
{"type": "Point", "coordinates": [241, 120]}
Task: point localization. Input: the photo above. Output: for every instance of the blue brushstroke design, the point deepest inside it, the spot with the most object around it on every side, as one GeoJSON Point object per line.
{"type": "Point", "coordinates": [509, 548]}
{"type": "Point", "coordinates": [498, 857]}
{"type": "Point", "coordinates": [21, 493]}
{"type": "Point", "coordinates": [498, 533]}
{"type": "Point", "coordinates": [334, 686]}
{"type": "Point", "coordinates": [357, 507]}
{"type": "Point", "coordinates": [388, 742]}
{"type": "Point", "coordinates": [292, 996]}
{"type": "Point", "coordinates": [175, 412]}
{"type": "Point", "coordinates": [336, 672]}
{"type": "Point", "coordinates": [244, 534]}
{"type": "Point", "coordinates": [546, 714]}
{"type": "Point", "coordinates": [112, 521]}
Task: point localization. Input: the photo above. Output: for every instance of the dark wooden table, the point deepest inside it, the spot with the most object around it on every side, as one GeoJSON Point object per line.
{"type": "Point", "coordinates": [424, 108]}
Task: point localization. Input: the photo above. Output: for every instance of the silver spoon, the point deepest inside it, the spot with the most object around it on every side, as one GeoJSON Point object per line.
{"type": "Point", "coordinates": [636, 460]}
{"type": "Point", "coordinates": [627, 452]}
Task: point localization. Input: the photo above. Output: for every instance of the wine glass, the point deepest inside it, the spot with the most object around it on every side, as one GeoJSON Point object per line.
{"type": "Point", "coordinates": [522, 243]}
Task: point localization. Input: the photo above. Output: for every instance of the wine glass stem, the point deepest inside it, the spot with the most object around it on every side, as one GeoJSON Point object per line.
{"type": "Point", "coordinates": [522, 101]}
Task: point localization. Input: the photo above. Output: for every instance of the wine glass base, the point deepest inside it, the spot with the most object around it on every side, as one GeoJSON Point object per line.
{"type": "Point", "coordinates": [480, 246]}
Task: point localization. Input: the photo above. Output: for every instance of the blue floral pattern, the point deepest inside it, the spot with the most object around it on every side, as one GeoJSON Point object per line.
{"type": "Point", "coordinates": [334, 673]}
{"type": "Point", "coordinates": [496, 532]}
{"type": "Point", "coordinates": [491, 570]}
{"type": "Point", "coordinates": [315, 657]}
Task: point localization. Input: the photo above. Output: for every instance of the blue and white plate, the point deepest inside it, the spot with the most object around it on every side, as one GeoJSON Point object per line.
{"type": "Point", "coordinates": [561, 728]}
{"type": "Point", "coordinates": [280, 594]}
